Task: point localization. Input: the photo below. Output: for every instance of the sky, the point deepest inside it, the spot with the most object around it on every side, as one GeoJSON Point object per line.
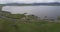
{"type": "Point", "coordinates": [27, 1]}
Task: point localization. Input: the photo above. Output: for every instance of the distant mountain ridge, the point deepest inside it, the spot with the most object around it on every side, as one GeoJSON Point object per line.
{"type": "Point", "coordinates": [52, 3]}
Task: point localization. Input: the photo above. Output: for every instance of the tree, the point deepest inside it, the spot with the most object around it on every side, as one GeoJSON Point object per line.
{"type": "Point", "coordinates": [16, 16]}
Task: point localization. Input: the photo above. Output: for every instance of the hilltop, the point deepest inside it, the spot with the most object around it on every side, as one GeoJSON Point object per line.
{"type": "Point", "coordinates": [33, 4]}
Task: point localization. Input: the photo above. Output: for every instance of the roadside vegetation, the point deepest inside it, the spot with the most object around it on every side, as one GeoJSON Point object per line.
{"type": "Point", "coordinates": [27, 26]}
{"type": "Point", "coordinates": [26, 23]}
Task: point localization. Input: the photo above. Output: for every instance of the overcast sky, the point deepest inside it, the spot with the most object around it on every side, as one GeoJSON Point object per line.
{"type": "Point", "coordinates": [27, 1]}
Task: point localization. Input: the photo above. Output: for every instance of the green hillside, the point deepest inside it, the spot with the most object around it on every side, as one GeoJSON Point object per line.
{"type": "Point", "coordinates": [21, 23]}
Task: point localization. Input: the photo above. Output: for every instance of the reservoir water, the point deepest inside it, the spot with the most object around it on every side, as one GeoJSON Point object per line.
{"type": "Point", "coordinates": [40, 11]}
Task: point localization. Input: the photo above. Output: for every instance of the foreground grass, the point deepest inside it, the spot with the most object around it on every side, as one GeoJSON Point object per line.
{"type": "Point", "coordinates": [14, 23]}
{"type": "Point", "coordinates": [37, 26]}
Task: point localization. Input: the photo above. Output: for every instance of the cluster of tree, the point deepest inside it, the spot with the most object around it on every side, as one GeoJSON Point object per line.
{"type": "Point", "coordinates": [15, 16]}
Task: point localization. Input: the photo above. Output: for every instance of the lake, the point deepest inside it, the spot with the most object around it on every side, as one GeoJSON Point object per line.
{"type": "Point", "coordinates": [40, 11]}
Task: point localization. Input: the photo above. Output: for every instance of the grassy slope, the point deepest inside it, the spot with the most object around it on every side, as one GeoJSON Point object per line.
{"type": "Point", "coordinates": [7, 25]}
{"type": "Point", "coordinates": [40, 26]}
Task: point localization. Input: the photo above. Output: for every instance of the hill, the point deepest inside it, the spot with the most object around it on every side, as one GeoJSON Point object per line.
{"type": "Point", "coordinates": [33, 4]}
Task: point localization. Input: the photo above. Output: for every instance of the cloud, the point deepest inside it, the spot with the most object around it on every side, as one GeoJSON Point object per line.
{"type": "Point", "coordinates": [27, 1]}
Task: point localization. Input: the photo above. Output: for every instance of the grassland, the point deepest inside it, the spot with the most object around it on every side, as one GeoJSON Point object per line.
{"type": "Point", "coordinates": [34, 26]}
{"type": "Point", "coordinates": [30, 24]}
